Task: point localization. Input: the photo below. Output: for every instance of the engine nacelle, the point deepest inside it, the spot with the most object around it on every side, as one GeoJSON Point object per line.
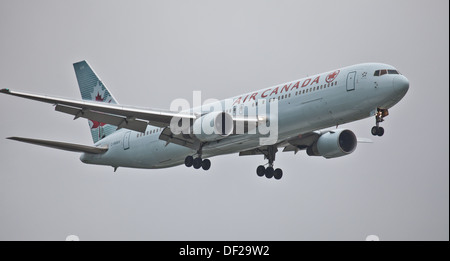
{"type": "Point", "coordinates": [213, 126]}
{"type": "Point", "coordinates": [334, 144]}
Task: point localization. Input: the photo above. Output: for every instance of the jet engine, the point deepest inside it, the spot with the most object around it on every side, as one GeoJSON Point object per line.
{"type": "Point", "coordinates": [213, 126]}
{"type": "Point", "coordinates": [333, 144]}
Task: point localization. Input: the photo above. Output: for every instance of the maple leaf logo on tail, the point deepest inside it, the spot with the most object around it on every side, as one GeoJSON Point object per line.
{"type": "Point", "coordinates": [101, 96]}
{"type": "Point", "coordinates": [98, 97]}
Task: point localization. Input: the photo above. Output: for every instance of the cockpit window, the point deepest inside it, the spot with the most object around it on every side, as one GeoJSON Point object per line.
{"type": "Point", "coordinates": [385, 71]}
{"type": "Point", "coordinates": [392, 72]}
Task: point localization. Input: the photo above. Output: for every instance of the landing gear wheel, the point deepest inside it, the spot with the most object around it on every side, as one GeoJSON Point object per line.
{"type": "Point", "coordinates": [380, 131]}
{"type": "Point", "coordinates": [188, 161]}
{"type": "Point", "coordinates": [197, 163]}
{"type": "Point", "coordinates": [377, 131]}
{"type": "Point", "coordinates": [278, 173]}
{"type": "Point", "coordinates": [260, 170]}
{"type": "Point", "coordinates": [269, 172]}
{"type": "Point", "coordinates": [206, 164]}
{"type": "Point", "coordinates": [374, 131]}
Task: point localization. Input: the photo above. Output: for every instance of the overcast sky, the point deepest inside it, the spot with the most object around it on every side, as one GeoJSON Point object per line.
{"type": "Point", "coordinates": [151, 52]}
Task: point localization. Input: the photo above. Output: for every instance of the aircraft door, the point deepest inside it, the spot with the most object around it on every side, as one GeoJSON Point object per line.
{"type": "Point", "coordinates": [351, 78]}
{"type": "Point", "coordinates": [126, 140]}
{"type": "Point", "coordinates": [241, 110]}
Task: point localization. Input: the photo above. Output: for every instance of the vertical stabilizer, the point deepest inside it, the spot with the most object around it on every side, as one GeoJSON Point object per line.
{"type": "Point", "coordinates": [93, 89]}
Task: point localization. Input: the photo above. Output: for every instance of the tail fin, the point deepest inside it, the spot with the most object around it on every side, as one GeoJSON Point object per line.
{"type": "Point", "coordinates": [93, 89]}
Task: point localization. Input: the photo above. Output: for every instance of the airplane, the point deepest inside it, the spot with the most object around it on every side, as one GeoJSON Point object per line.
{"type": "Point", "coordinates": [126, 136]}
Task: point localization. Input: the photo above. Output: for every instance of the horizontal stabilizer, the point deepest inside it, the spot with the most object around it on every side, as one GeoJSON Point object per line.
{"type": "Point", "coordinates": [63, 145]}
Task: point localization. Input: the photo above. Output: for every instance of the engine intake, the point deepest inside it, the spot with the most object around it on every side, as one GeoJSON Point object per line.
{"type": "Point", "coordinates": [334, 144]}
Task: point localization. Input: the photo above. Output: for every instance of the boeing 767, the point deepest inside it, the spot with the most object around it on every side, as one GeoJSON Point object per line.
{"type": "Point", "coordinates": [291, 116]}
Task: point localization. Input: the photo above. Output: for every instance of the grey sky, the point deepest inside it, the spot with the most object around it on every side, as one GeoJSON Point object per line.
{"type": "Point", "coordinates": [151, 52]}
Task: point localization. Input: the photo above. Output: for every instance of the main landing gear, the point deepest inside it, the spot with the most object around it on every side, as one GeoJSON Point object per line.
{"type": "Point", "coordinates": [198, 162]}
{"type": "Point", "coordinates": [379, 117]}
{"type": "Point", "coordinates": [269, 172]}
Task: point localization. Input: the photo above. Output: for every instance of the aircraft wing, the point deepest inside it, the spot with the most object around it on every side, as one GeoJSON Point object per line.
{"type": "Point", "coordinates": [121, 116]}
{"type": "Point", "coordinates": [63, 145]}
{"type": "Point", "coordinates": [296, 143]}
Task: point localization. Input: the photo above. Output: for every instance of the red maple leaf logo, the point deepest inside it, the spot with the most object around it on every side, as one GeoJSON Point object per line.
{"type": "Point", "coordinates": [332, 76]}
{"type": "Point", "coordinates": [98, 97]}
{"type": "Point", "coordinates": [96, 124]}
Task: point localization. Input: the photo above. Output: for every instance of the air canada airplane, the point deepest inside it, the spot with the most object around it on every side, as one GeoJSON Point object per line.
{"type": "Point", "coordinates": [297, 114]}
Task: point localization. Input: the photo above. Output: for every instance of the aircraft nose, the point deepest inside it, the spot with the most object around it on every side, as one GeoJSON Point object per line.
{"type": "Point", "coordinates": [401, 84]}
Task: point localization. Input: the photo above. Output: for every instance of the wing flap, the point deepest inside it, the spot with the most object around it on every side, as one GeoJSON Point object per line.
{"type": "Point", "coordinates": [63, 145]}
{"type": "Point", "coordinates": [180, 139]}
{"type": "Point", "coordinates": [119, 121]}
{"type": "Point", "coordinates": [257, 151]}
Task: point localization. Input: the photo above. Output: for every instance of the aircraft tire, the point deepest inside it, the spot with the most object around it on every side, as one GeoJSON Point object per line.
{"type": "Point", "coordinates": [278, 173]}
{"type": "Point", "coordinates": [269, 172]}
{"type": "Point", "coordinates": [197, 163]}
{"type": "Point", "coordinates": [374, 131]}
{"type": "Point", "coordinates": [260, 170]}
{"type": "Point", "coordinates": [206, 164]}
{"type": "Point", "coordinates": [188, 161]}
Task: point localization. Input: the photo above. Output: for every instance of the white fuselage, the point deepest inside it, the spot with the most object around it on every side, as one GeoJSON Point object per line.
{"type": "Point", "coordinates": [309, 104]}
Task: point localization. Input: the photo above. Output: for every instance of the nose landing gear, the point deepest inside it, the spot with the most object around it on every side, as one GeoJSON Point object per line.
{"type": "Point", "coordinates": [379, 117]}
